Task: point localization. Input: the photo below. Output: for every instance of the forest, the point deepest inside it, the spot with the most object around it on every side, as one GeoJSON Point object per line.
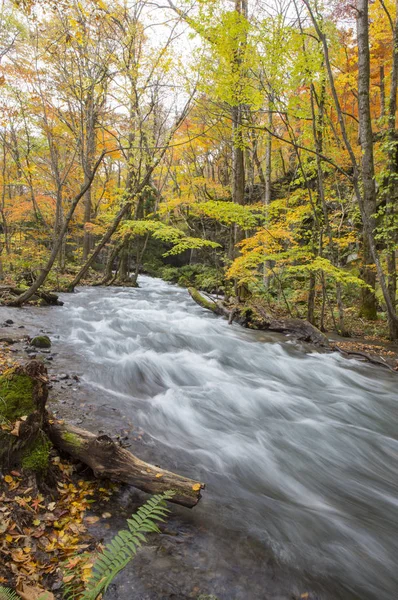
{"type": "Point", "coordinates": [247, 150]}
{"type": "Point", "coordinates": [198, 268]}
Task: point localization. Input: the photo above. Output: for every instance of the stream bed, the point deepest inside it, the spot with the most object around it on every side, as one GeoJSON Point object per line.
{"type": "Point", "coordinates": [298, 449]}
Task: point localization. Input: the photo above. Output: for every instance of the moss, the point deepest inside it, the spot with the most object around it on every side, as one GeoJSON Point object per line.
{"type": "Point", "coordinates": [37, 456]}
{"type": "Point", "coordinates": [16, 396]}
{"type": "Point", "coordinates": [71, 439]}
{"type": "Point", "coordinates": [41, 341]}
{"type": "Point", "coordinates": [199, 299]}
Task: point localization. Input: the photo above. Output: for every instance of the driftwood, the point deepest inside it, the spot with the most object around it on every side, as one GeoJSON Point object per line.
{"type": "Point", "coordinates": [109, 460]}
{"type": "Point", "coordinates": [255, 317]}
{"type": "Point", "coordinates": [24, 393]}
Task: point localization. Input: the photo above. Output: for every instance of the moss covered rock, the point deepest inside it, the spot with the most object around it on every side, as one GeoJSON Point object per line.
{"type": "Point", "coordinates": [41, 341]}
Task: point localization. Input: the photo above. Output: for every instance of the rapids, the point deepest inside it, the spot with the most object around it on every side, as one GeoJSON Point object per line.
{"type": "Point", "coordinates": [299, 449]}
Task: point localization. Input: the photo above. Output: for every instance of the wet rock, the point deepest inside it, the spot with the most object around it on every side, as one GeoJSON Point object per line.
{"type": "Point", "coordinates": [41, 341]}
{"type": "Point", "coordinates": [8, 322]}
{"type": "Point", "coordinates": [63, 376]}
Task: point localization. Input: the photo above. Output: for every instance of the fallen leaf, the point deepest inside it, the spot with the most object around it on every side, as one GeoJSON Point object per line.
{"type": "Point", "coordinates": [158, 475]}
{"type": "Point", "coordinates": [29, 592]}
{"type": "Point", "coordinates": [196, 487]}
{"type": "Point", "coordinates": [91, 520]}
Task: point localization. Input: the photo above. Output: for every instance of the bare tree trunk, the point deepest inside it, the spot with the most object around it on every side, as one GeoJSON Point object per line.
{"type": "Point", "coordinates": [392, 185]}
{"type": "Point", "coordinates": [238, 157]}
{"type": "Point", "coordinates": [90, 118]}
{"type": "Point", "coordinates": [268, 154]}
{"type": "Point", "coordinates": [311, 299]}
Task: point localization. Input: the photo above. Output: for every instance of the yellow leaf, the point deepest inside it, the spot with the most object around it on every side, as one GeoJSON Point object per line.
{"type": "Point", "coordinates": [196, 487]}
{"type": "Point", "coordinates": [158, 475]}
{"type": "Point", "coordinates": [8, 479]}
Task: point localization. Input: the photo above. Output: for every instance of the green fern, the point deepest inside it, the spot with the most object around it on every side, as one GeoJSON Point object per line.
{"type": "Point", "coordinates": [8, 594]}
{"type": "Point", "coordinates": [123, 547]}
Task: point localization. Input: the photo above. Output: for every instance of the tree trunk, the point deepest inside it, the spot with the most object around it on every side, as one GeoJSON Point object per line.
{"type": "Point", "coordinates": [392, 185]}
{"type": "Point", "coordinates": [238, 157]}
{"type": "Point", "coordinates": [24, 393]}
{"type": "Point", "coordinates": [369, 307]}
{"type": "Point", "coordinates": [311, 300]}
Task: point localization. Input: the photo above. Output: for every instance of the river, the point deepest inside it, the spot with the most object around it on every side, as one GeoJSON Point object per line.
{"type": "Point", "coordinates": [298, 449]}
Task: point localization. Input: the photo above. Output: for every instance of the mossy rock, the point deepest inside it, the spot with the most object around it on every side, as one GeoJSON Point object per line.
{"type": "Point", "coordinates": [16, 396]}
{"type": "Point", "coordinates": [41, 341]}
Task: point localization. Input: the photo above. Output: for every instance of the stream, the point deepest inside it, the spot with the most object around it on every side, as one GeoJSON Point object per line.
{"type": "Point", "coordinates": [298, 449]}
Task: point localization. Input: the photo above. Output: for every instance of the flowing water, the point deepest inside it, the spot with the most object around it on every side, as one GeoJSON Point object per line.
{"type": "Point", "coordinates": [299, 450]}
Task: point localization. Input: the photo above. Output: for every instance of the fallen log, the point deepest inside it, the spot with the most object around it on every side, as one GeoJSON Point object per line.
{"type": "Point", "coordinates": [109, 460]}
{"type": "Point", "coordinates": [209, 303]}
{"type": "Point", "coordinates": [255, 317]}
{"type": "Point", "coordinates": [9, 295]}
{"type": "Point", "coordinates": [28, 433]}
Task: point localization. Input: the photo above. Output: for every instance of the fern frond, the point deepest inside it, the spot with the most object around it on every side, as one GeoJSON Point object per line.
{"type": "Point", "coordinates": [8, 594]}
{"type": "Point", "coordinates": [124, 546]}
